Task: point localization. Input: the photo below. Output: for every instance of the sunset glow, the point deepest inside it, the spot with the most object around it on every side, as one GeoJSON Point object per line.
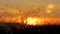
{"type": "Point", "coordinates": [30, 20]}
{"type": "Point", "coordinates": [50, 6]}
{"type": "Point", "coordinates": [33, 21]}
{"type": "Point", "coordinates": [48, 11]}
{"type": "Point", "coordinates": [29, 16]}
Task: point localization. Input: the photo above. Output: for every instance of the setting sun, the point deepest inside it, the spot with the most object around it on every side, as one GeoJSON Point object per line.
{"type": "Point", "coordinates": [33, 21]}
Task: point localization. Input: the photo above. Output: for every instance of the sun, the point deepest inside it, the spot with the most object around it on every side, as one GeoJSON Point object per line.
{"type": "Point", "coordinates": [33, 21]}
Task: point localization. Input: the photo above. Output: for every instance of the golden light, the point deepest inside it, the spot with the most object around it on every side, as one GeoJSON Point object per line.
{"type": "Point", "coordinates": [50, 6]}
{"type": "Point", "coordinates": [33, 21]}
{"type": "Point", "coordinates": [48, 11]}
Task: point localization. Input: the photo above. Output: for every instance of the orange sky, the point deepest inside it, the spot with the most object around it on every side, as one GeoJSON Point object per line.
{"type": "Point", "coordinates": [48, 8]}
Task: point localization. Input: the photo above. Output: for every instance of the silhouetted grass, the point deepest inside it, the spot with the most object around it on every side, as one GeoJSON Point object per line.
{"type": "Point", "coordinates": [11, 28]}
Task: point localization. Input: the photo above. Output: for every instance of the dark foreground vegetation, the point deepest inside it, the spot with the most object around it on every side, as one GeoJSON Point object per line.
{"type": "Point", "coordinates": [15, 28]}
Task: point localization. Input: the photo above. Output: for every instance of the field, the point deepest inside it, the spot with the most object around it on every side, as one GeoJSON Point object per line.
{"type": "Point", "coordinates": [11, 28]}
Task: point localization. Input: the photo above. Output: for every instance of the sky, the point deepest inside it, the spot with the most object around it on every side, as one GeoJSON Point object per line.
{"type": "Point", "coordinates": [48, 8]}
